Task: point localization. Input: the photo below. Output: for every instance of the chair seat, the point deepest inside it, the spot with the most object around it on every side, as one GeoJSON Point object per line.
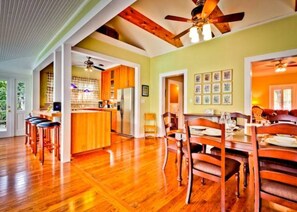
{"type": "Point", "coordinates": [48, 124]}
{"type": "Point", "coordinates": [232, 166]}
{"type": "Point", "coordinates": [234, 154]}
{"type": "Point", "coordinates": [279, 189]}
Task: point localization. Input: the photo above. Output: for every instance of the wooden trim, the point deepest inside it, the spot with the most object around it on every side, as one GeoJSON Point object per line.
{"type": "Point", "coordinates": [150, 26]}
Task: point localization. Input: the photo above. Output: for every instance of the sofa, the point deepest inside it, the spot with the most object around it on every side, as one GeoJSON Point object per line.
{"type": "Point", "coordinates": [272, 115]}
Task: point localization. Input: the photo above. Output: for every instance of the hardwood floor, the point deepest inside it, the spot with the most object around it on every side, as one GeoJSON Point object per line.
{"type": "Point", "coordinates": [127, 176]}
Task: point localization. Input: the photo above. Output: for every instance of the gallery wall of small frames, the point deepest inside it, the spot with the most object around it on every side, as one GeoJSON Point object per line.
{"type": "Point", "coordinates": [213, 88]}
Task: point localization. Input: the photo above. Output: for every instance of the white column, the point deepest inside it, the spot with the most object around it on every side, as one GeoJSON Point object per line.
{"type": "Point", "coordinates": [36, 90]}
{"type": "Point", "coordinates": [57, 76]}
{"type": "Point", "coordinates": [66, 104]}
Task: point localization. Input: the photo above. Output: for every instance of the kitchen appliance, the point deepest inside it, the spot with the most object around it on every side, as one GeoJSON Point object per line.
{"type": "Point", "coordinates": [125, 111]}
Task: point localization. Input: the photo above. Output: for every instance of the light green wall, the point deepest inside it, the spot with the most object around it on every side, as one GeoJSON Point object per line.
{"type": "Point", "coordinates": [222, 53]}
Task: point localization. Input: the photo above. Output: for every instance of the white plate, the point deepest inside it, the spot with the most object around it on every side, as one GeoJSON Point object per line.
{"type": "Point", "coordinates": [213, 132]}
{"type": "Point", "coordinates": [284, 139]}
{"type": "Point", "coordinates": [274, 142]}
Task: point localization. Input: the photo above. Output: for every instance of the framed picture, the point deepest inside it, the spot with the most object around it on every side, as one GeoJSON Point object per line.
{"type": "Point", "coordinates": [227, 75]}
{"type": "Point", "coordinates": [206, 88]}
{"type": "Point", "coordinates": [197, 78]}
{"type": "Point", "coordinates": [227, 99]}
{"type": "Point", "coordinates": [197, 99]}
{"type": "Point", "coordinates": [216, 88]}
{"type": "Point", "coordinates": [206, 77]}
{"type": "Point", "coordinates": [206, 99]}
{"type": "Point", "coordinates": [227, 87]}
{"type": "Point", "coordinates": [197, 89]}
{"type": "Point", "coordinates": [216, 99]}
{"type": "Point", "coordinates": [216, 76]}
{"type": "Point", "coordinates": [145, 90]}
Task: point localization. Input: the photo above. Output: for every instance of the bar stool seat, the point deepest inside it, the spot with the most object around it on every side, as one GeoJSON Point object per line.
{"type": "Point", "coordinates": [33, 136]}
{"type": "Point", "coordinates": [46, 127]}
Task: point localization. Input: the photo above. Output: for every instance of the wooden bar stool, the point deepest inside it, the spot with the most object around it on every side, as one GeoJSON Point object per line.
{"type": "Point", "coordinates": [27, 127]}
{"type": "Point", "coordinates": [33, 137]}
{"type": "Point", "coordinates": [44, 128]}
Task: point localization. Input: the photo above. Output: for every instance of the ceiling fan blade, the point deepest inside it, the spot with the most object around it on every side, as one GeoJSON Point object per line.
{"type": "Point", "coordinates": [227, 18]}
{"type": "Point", "coordinates": [182, 33]}
{"type": "Point", "coordinates": [176, 18]}
{"type": "Point", "coordinates": [97, 67]}
{"type": "Point", "coordinates": [292, 65]}
{"type": "Point", "coordinates": [208, 7]}
{"type": "Point", "coordinates": [222, 27]}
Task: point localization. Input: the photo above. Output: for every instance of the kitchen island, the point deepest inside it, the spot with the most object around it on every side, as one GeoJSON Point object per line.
{"type": "Point", "coordinates": [90, 130]}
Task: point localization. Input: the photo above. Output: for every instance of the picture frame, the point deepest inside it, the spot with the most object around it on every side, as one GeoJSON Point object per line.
{"type": "Point", "coordinates": [206, 99]}
{"type": "Point", "coordinates": [227, 87]}
{"type": "Point", "coordinates": [216, 76]}
{"type": "Point", "coordinates": [227, 99]}
{"type": "Point", "coordinates": [206, 77]}
{"type": "Point", "coordinates": [198, 78]}
{"type": "Point", "coordinates": [206, 88]}
{"type": "Point", "coordinates": [227, 75]}
{"type": "Point", "coordinates": [197, 100]}
{"type": "Point", "coordinates": [216, 99]}
{"type": "Point", "coordinates": [145, 90]}
{"type": "Point", "coordinates": [197, 89]}
{"type": "Point", "coordinates": [216, 87]}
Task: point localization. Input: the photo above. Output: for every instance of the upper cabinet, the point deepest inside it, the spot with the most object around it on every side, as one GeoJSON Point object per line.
{"type": "Point", "coordinates": [116, 78]}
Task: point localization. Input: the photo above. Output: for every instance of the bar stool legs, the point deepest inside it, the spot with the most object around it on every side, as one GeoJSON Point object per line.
{"type": "Point", "coordinates": [44, 128]}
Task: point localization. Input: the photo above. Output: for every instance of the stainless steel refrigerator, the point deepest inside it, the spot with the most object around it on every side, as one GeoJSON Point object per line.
{"type": "Point", "coordinates": [125, 111]}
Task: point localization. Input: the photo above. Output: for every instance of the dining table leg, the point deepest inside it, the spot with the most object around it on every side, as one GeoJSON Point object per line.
{"type": "Point", "coordinates": [179, 144]}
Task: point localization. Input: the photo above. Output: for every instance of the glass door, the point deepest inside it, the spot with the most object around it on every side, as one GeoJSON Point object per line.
{"type": "Point", "coordinates": [6, 109]}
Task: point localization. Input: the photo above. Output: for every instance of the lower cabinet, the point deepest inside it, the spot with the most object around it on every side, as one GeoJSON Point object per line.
{"type": "Point", "coordinates": [90, 130]}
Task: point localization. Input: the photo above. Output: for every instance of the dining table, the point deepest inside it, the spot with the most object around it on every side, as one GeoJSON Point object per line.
{"type": "Point", "coordinates": [236, 140]}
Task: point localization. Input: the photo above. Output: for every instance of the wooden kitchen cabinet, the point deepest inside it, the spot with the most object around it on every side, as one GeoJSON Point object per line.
{"type": "Point", "coordinates": [116, 78]}
{"type": "Point", "coordinates": [105, 85]}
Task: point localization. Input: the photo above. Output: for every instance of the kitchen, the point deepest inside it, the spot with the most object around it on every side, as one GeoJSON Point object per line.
{"type": "Point", "coordinates": [109, 90]}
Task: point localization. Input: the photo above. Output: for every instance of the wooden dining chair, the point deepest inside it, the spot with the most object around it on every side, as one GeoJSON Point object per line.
{"type": "Point", "coordinates": [171, 126]}
{"type": "Point", "coordinates": [242, 157]}
{"type": "Point", "coordinates": [209, 166]}
{"type": "Point", "coordinates": [271, 183]}
{"type": "Point", "coordinates": [150, 124]}
{"type": "Point", "coordinates": [282, 118]}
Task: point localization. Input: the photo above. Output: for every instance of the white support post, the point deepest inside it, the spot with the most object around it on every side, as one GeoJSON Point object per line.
{"type": "Point", "coordinates": [57, 76]}
{"type": "Point", "coordinates": [36, 90]}
{"type": "Point", "coordinates": [65, 147]}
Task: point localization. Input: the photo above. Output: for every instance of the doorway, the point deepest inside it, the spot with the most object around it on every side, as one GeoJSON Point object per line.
{"type": "Point", "coordinates": [6, 107]}
{"type": "Point", "coordinates": [175, 98]}
{"type": "Point", "coordinates": [177, 78]}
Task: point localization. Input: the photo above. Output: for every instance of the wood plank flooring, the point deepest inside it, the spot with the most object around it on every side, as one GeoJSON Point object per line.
{"type": "Point", "coordinates": [127, 176]}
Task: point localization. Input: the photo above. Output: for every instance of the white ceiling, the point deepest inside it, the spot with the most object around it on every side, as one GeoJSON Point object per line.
{"type": "Point", "coordinates": [27, 27]}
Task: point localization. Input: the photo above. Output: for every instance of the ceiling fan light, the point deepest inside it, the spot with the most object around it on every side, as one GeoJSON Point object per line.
{"type": "Point", "coordinates": [280, 69]}
{"type": "Point", "coordinates": [193, 32]}
{"type": "Point", "coordinates": [206, 32]}
{"type": "Point", "coordinates": [195, 39]}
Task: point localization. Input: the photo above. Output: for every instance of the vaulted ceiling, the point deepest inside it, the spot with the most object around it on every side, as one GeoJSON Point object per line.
{"type": "Point", "coordinates": [28, 28]}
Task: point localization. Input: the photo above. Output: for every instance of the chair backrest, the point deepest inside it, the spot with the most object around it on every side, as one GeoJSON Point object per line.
{"type": "Point", "coordinates": [169, 122]}
{"type": "Point", "coordinates": [273, 153]}
{"type": "Point", "coordinates": [150, 117]}
{"type": "Point", "coordinates": [206, 140]}
{"type": "Point", "coordinates": [240, 118]}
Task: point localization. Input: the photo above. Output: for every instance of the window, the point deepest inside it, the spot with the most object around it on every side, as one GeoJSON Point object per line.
{"type": "Point", "coordinates": [281, 97]}
{"type": "Point", "coordinates": [20, 95]}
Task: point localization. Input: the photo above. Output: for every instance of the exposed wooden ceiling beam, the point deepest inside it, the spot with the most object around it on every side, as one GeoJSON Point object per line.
{"type": "Point", "coordinates": [147, 24]}
{"type": "Point", "coordinates": [295, 5]}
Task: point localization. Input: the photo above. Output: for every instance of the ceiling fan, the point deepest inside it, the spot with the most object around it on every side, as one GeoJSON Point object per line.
{"type": "Point", "coordinates": [90, 65]}
{"type": "Point", "coordinates": [281, 66]}
{"type": "Point", "coordinates": [202, 17]}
